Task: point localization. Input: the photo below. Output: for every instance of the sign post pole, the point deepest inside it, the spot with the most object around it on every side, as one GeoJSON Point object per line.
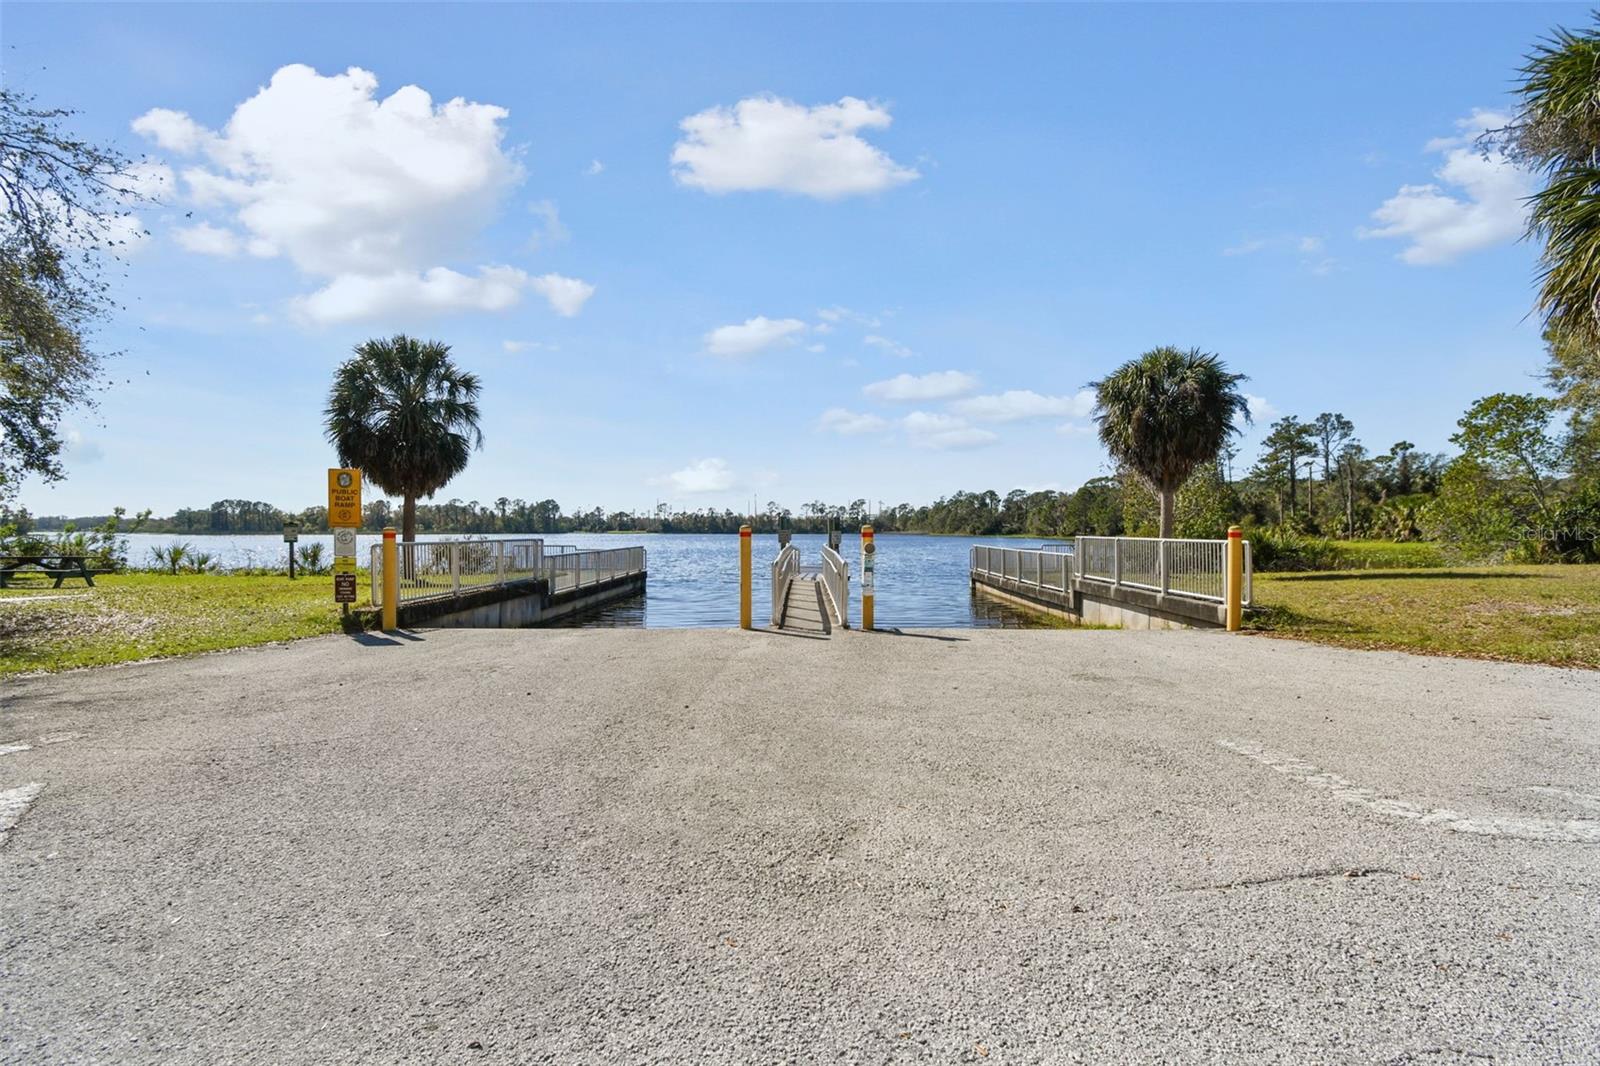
{"type": "Point", "coordinates": [1235, 585]}
{"type": "Point", "coordinates": [869, 555]}
{"type": "Point", "coordinates": [744, 577]}
{"type": "Point", "coordinates": [344, 518]}
{"type": "Point", "coordinates": [391, 580]}
{"type": "Point", "coordinates": [291, 533]}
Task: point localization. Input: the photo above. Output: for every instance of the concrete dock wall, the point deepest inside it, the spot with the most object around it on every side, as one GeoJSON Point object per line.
{"type": "Point", "coordinates": [517, 605]}
{"type": "Point", "coordinates": [1096, 603]}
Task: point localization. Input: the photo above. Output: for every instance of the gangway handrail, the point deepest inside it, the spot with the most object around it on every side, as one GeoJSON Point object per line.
{"type": "Point", "coordinates": [785, 568]}
{"type": "Point", "coordinates": [1188, 568]}
{"type": "Point", "coordinates": [836, 586]}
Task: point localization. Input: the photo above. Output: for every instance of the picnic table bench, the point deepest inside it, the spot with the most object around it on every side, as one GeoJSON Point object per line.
{"type": "Point", "coordinates": [52, 564]}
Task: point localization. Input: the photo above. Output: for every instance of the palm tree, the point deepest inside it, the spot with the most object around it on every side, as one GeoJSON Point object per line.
{"type": "Point", "coordinates": [407, 416]}
{"type": "Point", "coordinates": [1556, 134]}
{"type": "Point", "coordinates": [1165, 413]}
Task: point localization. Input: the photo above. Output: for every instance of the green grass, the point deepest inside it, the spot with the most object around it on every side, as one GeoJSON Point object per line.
{"type": "Point", "coordinates": [1386, 554]}
{"type": "Point", "coordinates": [127, 617]}
{"type": "Point", "coordinates": [1535, 614]}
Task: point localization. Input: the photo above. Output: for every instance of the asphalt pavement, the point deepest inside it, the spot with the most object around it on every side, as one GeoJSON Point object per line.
{"type": "Point", "coordinates": [674, 846]}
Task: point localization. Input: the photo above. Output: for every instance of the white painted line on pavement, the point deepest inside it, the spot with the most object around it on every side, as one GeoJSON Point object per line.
{"type": "Point", "coordinates": [1574, 831]}
{"type": "Point", "coordinates": [59, 738]}
{"type": "Point", "coordinates": [12, 749]}
{"type": "Point", "coordinates": [14, 802]}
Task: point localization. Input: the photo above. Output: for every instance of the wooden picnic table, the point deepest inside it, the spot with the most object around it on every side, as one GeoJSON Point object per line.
{"type": "Point", "coordinates": [52, 564]}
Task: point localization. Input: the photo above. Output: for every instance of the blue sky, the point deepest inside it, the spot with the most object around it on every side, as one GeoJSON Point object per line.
{"type": "Point", "coordinates": [703, 253]}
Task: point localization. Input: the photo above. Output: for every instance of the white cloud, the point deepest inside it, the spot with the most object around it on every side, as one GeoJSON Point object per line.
{"type": "Point", "coordinates": [549, 229]}
{"type": "Point", "coordinates": [925, 430]}
{"type": "Point", "coordinates": [763, 142]}
{"type": "Point", "coordinates": [850, 423]}
{"type": "Point", "coordinates": [206, 239]}
{"type": "Point", "coordinates": [753, 335]}
{"type": "Point", "coordinates": [706, 475]}
{"type": "Point", "coordinates": [354, 297]}
{"type": "Point", "coordinates": [1018, 404]}
{"type": "Point", "coordinates": [79, 449]}
{"type": "Point", "coordinates": [1310, 249]}
{"type": "Point", "coordinates": [1249, 247]}
{"type": "Point", "coordinates": [834, 315]}
{"type": "Point", "coordinates": [173, 131]}
{"type": "Point", "coordinates": [894, 348]}
{"type": "Point", "coordinates": [1075, 429]}
{"type": "Point", "coordinates": [566, 296]}
{"type": "Point", "coordinates": [147, 180]}
{"type": "Point", "coordinates": [1261, 410]}
{"type": "Point", "coordinates": [1484, 204]}
{"type": "Point", "coordinates": [594, 167]}
{"type": "Point", "coordinates": [816, 347]}
{"type": "Point", "coordinates": [516, 347]}
{"type": "Point", "coordinates": [939, 385]}
{"type": "Point", "coordinates": [368, 194]}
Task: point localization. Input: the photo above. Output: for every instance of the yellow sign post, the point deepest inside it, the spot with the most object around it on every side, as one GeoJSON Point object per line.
{"type": "Point", "coordinates": [344, 498]}
{"type": "Point", "coordinates": [869, 556]}
{"type": "Point", "coordinates": [391, 580]}
{"type": "Point", "coordinates": [1234, 587]}
{"type": "Point", "coordinates": [744, 577]}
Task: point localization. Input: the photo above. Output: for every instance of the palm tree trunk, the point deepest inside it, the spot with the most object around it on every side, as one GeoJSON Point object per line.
{"type": "Point", "coordinates": [408, 518]}
{"type": "Point", "coordinates": [1168, 510]}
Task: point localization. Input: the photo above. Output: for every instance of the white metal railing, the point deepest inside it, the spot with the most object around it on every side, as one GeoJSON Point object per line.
{"type": "Point", "coordinates": [785, 568]}
{"type": "Point", "coordinates": [836, 586]}
{"type": "Point", "coordinates": [1193, 569]}
{"type": "Point", "coordinates": [583, 568]}
{"type": "Point", "coordinates": [446, 568]}
{"type": "Point", "coordinates": [1039, 568]}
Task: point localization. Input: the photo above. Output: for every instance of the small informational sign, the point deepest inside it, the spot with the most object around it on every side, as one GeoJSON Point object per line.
{"type": "Point", "coordinates": [344, 564]}
{"type": "Point", "coordinates": [344, 498]}
{"type": "Point", "coordinates": [291, 533]}
{"type": "Point", "coordinates": [344, 588]}
{"type": "Point", "coordinates": [869, 555]}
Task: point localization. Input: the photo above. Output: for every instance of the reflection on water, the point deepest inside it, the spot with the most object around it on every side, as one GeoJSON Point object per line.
{"type": "Point", "coordinates": [922, 581]}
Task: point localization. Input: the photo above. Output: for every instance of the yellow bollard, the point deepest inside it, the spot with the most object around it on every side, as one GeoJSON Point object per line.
{"type": "Point", "coordinates": [869, 555]}
{"type": "Point", "coordinates": [391, 580]}
{"type": "Point", "coordinates": [1235, 589]}
{"type": "Point", "coordinates": [744, 577]}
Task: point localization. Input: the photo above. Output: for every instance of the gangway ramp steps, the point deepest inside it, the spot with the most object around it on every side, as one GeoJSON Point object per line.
{"type": "Point", "coordinates": [803, 610]}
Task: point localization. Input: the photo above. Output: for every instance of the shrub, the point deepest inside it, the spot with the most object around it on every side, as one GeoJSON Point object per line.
{"type": "Point", "coordinates": [170, 557]}
{"type": "Point", "coordinates": [310, 557]}
{"type": "Point", "coordinates": [1279, 548]}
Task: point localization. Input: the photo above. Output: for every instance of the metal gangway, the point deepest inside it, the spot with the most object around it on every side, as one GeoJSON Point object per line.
{"type": "Point", "coordinates": [810, 599]}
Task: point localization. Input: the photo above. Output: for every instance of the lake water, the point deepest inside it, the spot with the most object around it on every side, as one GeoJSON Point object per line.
{"type": "Point", "coordinates": [694, 578]}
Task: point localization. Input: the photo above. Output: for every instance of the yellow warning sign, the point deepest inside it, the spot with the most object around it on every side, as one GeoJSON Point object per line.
{"type": "Point", "coordinates": [344, 498]}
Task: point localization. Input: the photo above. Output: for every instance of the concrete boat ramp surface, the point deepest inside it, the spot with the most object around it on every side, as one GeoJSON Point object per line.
{"type": "Point", "coordinates": [667, 846]}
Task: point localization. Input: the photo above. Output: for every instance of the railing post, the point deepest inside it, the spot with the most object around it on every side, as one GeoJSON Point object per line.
{"type": "Point", "coordinates": [499, 562]}
{"type": "Point", "coordinates": [1116, 561]}
{"type": "Point", "coordinates": [1234, 591]}
{"type": "Point", "coordinates": [391, 580]}
{"type": "Point", "coordinates": [455, 567]}
{"type": "Point", "coordinates": [1161, 565]}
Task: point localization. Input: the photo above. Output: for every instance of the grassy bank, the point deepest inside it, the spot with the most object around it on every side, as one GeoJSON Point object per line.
{"type": "Point", "coordinates": [1536, 614]}
{"type": "Point", "coordinates": [126, 617]}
